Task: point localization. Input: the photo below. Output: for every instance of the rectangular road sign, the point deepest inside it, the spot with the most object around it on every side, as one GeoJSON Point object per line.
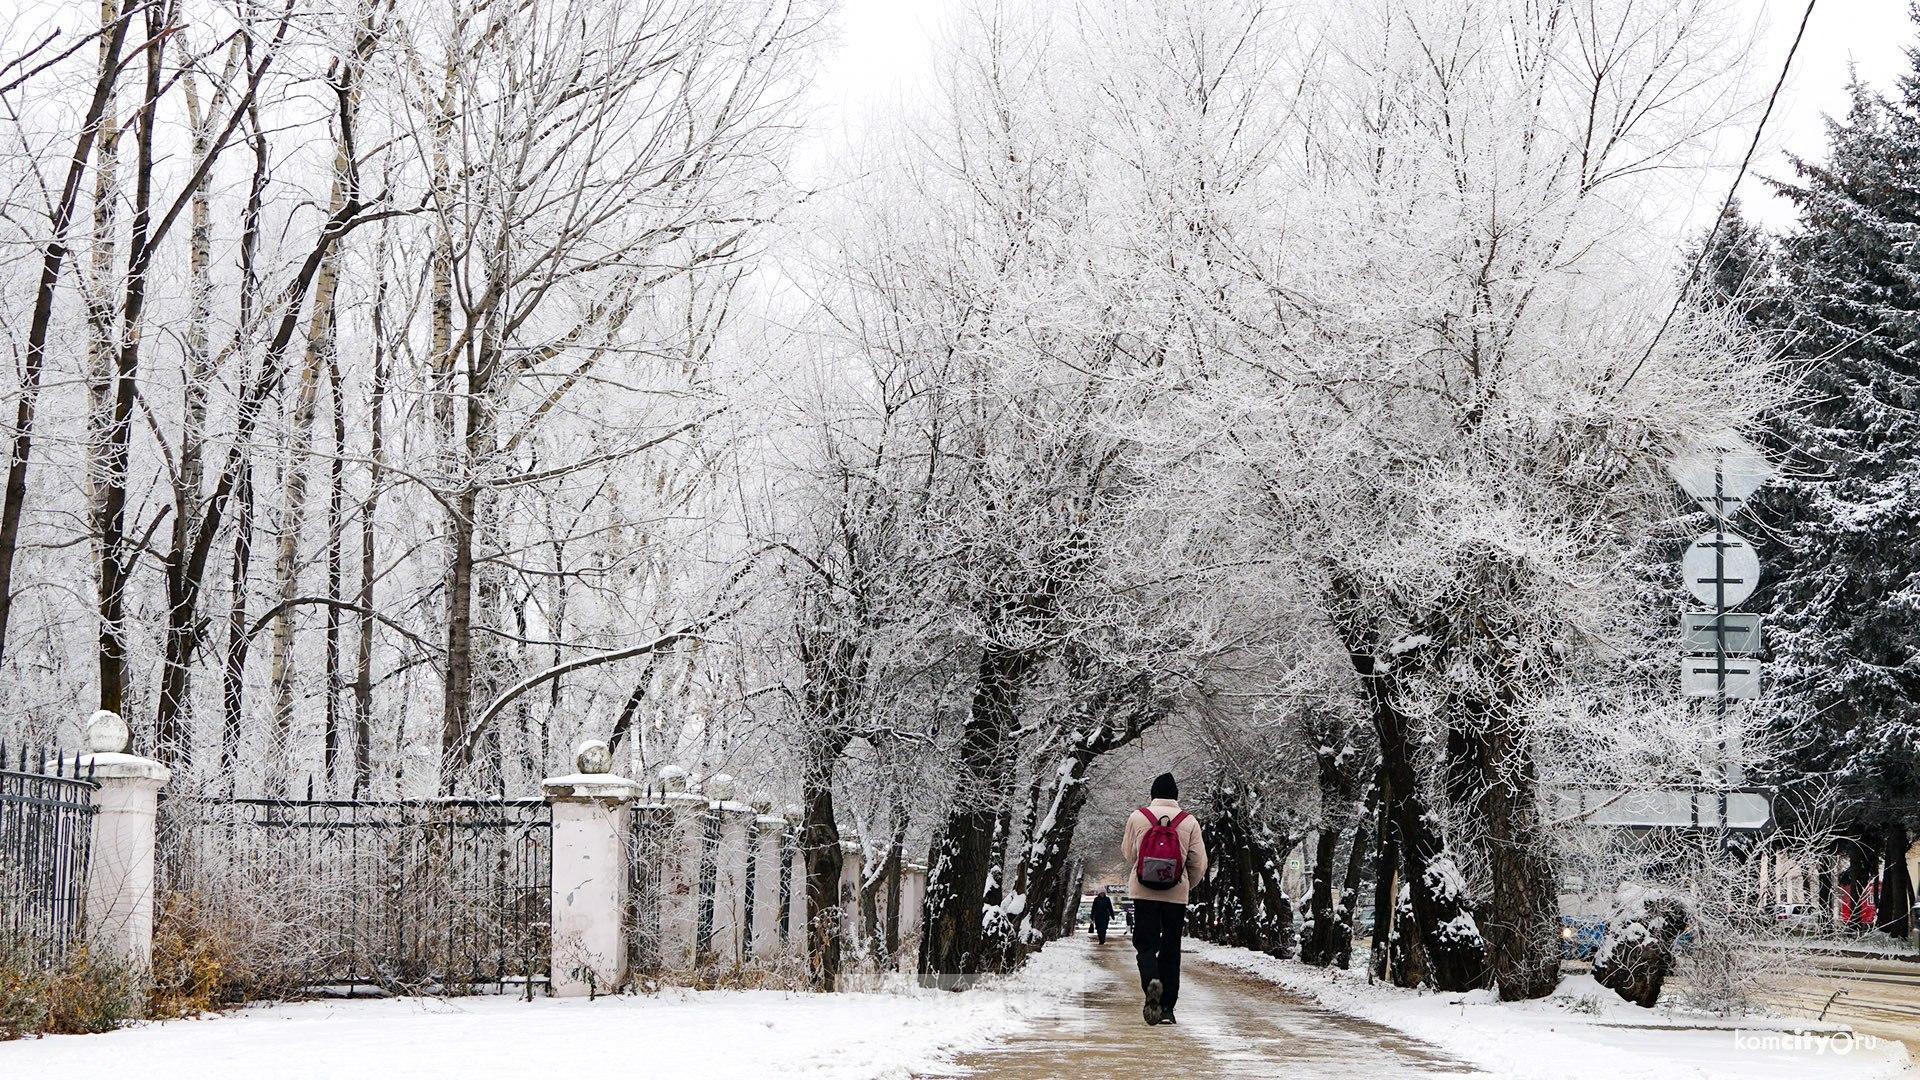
{"type": "Point", "coordinates": [1671, 808]}
{"type": "Point", "coordinates": [1740, 631]}
{"type": "Point", "coordinates": [1701, 676]}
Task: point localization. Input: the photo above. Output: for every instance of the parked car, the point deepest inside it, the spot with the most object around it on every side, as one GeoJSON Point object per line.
{"type": "Point", "coordinates": [1581, 935]}
{"type": "Point", "coordinates": [1799, 918]}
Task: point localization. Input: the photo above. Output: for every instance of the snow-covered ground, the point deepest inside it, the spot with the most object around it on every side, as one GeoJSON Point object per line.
{"type": "Point", "coordinates": [713, 1035]}
{"type": "Point", "coordinates": [1585, 1032]}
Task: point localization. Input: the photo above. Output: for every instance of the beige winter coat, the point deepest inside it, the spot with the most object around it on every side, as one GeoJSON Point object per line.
{"type": "Point", "coordinates": [1191, 846]}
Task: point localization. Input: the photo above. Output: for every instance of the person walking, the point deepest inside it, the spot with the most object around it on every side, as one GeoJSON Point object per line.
{"type": "Point", "coordinates": [1162, 843]}
{"type": "Point", "coordinates": [1102, 915]}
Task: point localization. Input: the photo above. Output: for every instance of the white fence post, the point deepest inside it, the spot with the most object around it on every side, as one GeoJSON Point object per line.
{"type": "Point", "coordinates": [729, 873]}
{"type": "Point", "coordinates": [680, 872]}
{"type": "Point", "coordinates": [853, 864]}
{"type": "Point", "coordinates": [913, 897]}
{"type": "Point", "coordinates": [120, 866]}
{"type": "Point", "coordinates": [592, 811]}
{"type": "Point", "coordinates": [767, 915]}
{"type": "Point", "coordinates": [796, 936]}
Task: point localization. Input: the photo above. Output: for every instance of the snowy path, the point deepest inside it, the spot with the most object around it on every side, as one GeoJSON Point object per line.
{"type": "Point", "coordinates": [1231, 1025]}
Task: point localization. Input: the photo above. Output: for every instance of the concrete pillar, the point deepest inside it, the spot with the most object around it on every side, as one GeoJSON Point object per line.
{"type": "Point", "coordinates": [796, 936]}
{"type": "Point", "coordinates": [592, 814]}
{"type": "Point", "coordinates": [729, 873]}
{"type": "Point", "coordinates": [853, 863]}
{"type": "Point", "coordinates": [680, 874]}
{"type": "Point", "coordinates": [120, 867]}
{"type": "Point", "coordinates": [767, 915]}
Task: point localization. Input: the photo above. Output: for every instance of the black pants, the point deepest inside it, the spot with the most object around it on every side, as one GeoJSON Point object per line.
{"type": "Point", "coordinates": [1156, 946]}
{"type": "Point", "coordinates": [1100, 928]}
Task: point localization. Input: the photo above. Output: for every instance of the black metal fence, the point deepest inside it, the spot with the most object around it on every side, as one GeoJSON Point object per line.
{"type": "Point", "coordinates": [675, 894]}
{"type": "Point", "coordinates": [451, 895]}
{"type": "Point", "coordinates": [46, 831]}
{"type": "Point", "coordinates": [650, 856]}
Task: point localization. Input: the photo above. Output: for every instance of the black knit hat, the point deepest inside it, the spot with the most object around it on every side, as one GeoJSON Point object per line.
{"type": "Point", "coordinates": [1164, 787]}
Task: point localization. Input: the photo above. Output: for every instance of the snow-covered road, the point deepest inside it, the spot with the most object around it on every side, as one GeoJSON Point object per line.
{"type": "Point", "coordinates": [1073, 1012]}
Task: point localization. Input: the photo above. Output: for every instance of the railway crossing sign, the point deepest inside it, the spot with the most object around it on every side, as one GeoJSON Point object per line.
{"type": "Point", "coordinates": [1721, 569]}
{"type": "Point", "coordinates": [1733, 633]}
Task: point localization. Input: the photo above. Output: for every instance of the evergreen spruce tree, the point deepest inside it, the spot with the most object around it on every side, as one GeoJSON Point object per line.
{"type": "Point", "coordinates": [1845, 519]}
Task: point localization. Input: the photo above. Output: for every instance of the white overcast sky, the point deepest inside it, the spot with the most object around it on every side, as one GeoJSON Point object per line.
{"type": "Point", "coordinates": [884, 45]}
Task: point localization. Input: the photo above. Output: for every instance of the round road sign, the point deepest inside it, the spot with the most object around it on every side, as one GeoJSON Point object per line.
{"type": "Point", "coordinates": [1721, 569]}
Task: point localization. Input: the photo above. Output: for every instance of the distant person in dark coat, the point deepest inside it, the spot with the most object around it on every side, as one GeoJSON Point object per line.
{"type": "Point", "coordinates": [1102, 915]}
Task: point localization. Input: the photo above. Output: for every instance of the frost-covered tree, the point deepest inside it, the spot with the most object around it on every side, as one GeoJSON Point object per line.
{"type": "Point", "coordinates": [1845, 516]}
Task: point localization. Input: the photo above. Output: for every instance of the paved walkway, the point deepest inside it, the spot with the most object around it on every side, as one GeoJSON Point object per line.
{"type": "Point", "coordinates": [1231, 1025]}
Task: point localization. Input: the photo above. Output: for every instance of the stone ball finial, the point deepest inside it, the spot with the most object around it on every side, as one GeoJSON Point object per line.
{"type": "Point", "coordinates": [107, 733]}
{"type": "Point", "coordinates": [720, 787]}
{"type": "Point", "coordinates": [593, 757]}
{"type": "Point", "coordinates": [672, 778]}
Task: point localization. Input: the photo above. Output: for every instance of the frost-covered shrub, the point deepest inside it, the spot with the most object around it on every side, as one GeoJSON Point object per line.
{"type": "Point", "coordinates": [85, 994]}
{"type": "Point", "coordinates": [1636, 955]}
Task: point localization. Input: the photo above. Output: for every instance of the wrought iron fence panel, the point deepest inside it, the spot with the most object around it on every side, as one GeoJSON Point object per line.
{"type": "Point", "coordinates": [46, 837]}
{"type": "Point", "coordinates": [449, 894]}
{"type": "Point", "coordinates": [708, 884]}
{"type": "Point", "coordinates": [649, 853]}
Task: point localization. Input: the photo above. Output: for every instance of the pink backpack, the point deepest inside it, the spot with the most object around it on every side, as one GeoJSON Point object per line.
{"type": "Point", "coordinates": [1161, 863]}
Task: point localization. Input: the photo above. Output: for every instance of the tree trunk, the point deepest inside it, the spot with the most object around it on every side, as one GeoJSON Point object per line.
{"type": "Point", "coordinates": [820, 844]}
{"type": "Point", "coordinates": [962, 860]}
{"type": "Point", "coordinates": [1386, 879]}
{"type": "Point", "coordinates": [896, 854]}
{"type": "Point", "coordinates": [369, 512]}
{"type": "Point", "coordinates": [1350, 889]}
{"type": "Point", "coordinates": [1520, 923]}
{"type": "Point", "coordinates": [1318, 948]}
{"type": "Point", "coordinates": [1895, 911]}
{"type": "Point", "coordinates": [454, 703]}
{"type": "Point", "coordinates": [182, 639]}
{"type": "Point", "coordinates": [103, 352]}
{"type": "Point", "coordinates": [46, 291]}
{"type": "Point", "coordinates": [1042, 876]}
{"type": "Point", "coordinates": [1452, 951]}
{"type": "Point", "coordinates": [119, 551]}
{"type": "Point", "coordinates": [336, 557]}
{"type": "Point", "coordinates": [317, 356]}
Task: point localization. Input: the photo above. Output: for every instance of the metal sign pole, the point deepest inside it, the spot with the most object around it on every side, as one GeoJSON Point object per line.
{"type": "Point", "coordinates": [1720, 638]}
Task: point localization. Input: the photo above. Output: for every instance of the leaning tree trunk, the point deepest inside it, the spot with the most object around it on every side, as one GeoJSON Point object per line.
{"type": "Point", "coordinates": [1044, 870]}
{"type": "Point", "coordinates": [1350, 889]}
{"type": "Point", "coordinates": [1452, 950]}
{"type": "Point", "coordinates": [962, 859]}
{"type": "Point", "coordinates": [1107, 721]}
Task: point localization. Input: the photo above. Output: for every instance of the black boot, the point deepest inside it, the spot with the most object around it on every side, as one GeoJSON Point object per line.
{"type": "Point", "coordinates": [1152, 1009]}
